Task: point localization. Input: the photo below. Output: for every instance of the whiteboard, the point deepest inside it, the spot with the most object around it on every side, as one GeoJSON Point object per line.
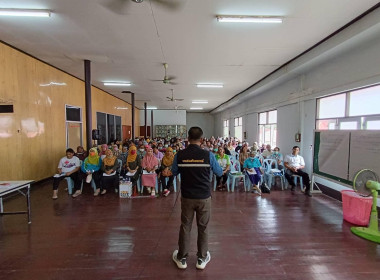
{"type": "Point", "coordinates": [334, 153]}
{"type": "Point", "coordinates": [364, 152]}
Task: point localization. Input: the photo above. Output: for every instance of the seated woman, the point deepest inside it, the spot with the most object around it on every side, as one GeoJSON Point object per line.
{"type": "Point", "coordinates": [278, 157]}
{"type": "Point", "coordinates": [103, 149]}
{"type": "Point", "coordinates": [132, 166]}
{"type": "Point", "coordinates": [252, 166]}
{"type": "Point", "coordinates": [149, 164]}
{"type": "Point", "coordinates": [91, 169]}
{"type": "Point", "coordinates": [81, 153]}
{"type": "Point", "coordinates": [68, 166]}
{"type": "Point", "coordinates": [166, 171]}
{"type": "Point", "coordinates": [224, 162]}
{"type": "Point", "coordinates": [243, 155]}
{"type": "Point", "coordinates": [110, 177]}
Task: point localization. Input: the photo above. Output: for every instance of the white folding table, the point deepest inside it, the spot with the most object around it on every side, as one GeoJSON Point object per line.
{"type": "Point", "coordinates": [8, 187]}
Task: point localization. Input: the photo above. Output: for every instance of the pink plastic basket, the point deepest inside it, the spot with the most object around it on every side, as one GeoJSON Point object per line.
{"type": "Point", "coordinates": [356, 208]}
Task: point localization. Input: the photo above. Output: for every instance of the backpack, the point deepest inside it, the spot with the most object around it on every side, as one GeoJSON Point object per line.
{"type": "Point", "coordinates": [264, 188]}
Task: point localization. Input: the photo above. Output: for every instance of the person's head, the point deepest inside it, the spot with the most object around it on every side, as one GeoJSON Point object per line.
{"type": "Point", "coordinates": [159, 146]}
{"type": "Point", "coordinates": [155, 149]}
{"type": "Point", "coordinates": [109, 153]}
{"type": "Point", "coordinates": [252, 153]}
{"type": "Point", "coordinates": [149, 151]}
{"type": "Point", "coordinates": [69, 153]}
{"type": "Point", "coordinates": [115, 147]}
{"type": "Point", "coordinates": [132, 150]}
{"type": "Point", "coordinates": [221, 151]}
{"type": "Point", "coordinates": [169, 152]}
{"type": "Point", "coordinates": [296, 150]}
{"type": "Point", "coordinates": [276, 150]}
{"type": "Point", "coordinates": [244, 148]}
{"type": "Point", "coordinates": [125, 149]}
{"type": "Point", "coordinates": [203, 146]}
{"type": "Point", "coordinates": [93, 152]}
{"type": "Point", "coordinates": [104, 147]}
{"type": "Point", "coordinates": [195, 134]}
{"type": "Point", "coordinates": [268, 147]}
{"type": "Point", "coordinates": [80, 150]}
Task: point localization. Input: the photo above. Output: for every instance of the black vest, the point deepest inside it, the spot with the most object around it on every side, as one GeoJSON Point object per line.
{"type": "Point", "coordinates": [194, 166]}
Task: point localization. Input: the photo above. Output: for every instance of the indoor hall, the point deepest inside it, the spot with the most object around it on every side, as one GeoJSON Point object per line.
{"type": "Point", "coordinates": [297, 73]}
{"type": "Point", "coordinates": [276, 236]}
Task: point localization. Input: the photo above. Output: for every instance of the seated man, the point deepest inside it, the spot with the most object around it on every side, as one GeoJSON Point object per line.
{"type": "Point", "coordinates": [294, 164]}
{"type": "Point", "coordinates": [68, 166]}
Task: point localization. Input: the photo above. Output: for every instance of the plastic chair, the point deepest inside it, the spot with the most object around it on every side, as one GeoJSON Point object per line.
{"type": "Point", "coordinates": [235, 173]}
{"type": "Point", "coordinates": [271, 173]}
{"type": "Point", "coordinates": [174, 183]}
{"type": "Point", "coordinates": [70, 185]}
{"type": "Point", "coordinates": [142, 187]}
{"type": "Point", "coordinates": [295, 177]}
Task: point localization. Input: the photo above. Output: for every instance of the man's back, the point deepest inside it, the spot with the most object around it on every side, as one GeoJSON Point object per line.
{"type": "Point", "coordinates": [194, 166]}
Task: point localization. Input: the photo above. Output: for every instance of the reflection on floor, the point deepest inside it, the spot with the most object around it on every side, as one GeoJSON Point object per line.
{"type": "Point", "coordinates": [276, 236]}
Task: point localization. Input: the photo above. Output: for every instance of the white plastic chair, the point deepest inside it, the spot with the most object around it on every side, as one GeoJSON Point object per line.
{"type": "Point", "coordinates": [271, 173]}
{"type": "Point", "coordinates": [235, 173]}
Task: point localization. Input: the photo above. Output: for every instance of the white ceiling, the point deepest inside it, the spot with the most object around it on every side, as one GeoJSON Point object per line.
{"type": "Point", "coordinates": [132, 43]}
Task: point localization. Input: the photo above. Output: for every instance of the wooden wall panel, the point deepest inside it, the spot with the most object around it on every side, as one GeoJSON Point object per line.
{"type": "Point", "coordinates": [33, 138]}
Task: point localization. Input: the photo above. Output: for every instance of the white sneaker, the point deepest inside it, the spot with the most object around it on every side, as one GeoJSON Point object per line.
{"type": "Point", "coordinates": [153, 194]}
{"type": "Point", "coordinates": [77, 193]}
{"type": "Point", "coordinates": [149, 190]}
{"type": "Point", "coordinates": [201, 264]}
{"type": "Point", "coordinates": [181, 264]}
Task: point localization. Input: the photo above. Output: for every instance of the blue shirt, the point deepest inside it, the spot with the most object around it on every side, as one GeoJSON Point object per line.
{"type": "Point", "coordinates": [252, 163]}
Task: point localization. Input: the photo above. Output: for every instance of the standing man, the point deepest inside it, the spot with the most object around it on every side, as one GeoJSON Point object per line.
{"type": "Point", "coordinates": [194, 165]}
{"type": "Point", "coordinates": [294, 164]}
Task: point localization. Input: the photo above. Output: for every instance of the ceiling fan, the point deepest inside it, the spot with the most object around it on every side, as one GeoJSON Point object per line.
{"type": "Point", "coordinates": [167, 79]}
{"type": "Point", "coordinates": [120, 6]}
{"type": "Point", "coordinates": [172, 99]}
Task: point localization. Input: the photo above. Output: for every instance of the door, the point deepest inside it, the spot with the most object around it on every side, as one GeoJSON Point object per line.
{"type": "Point", "coordinates": [127, 132]}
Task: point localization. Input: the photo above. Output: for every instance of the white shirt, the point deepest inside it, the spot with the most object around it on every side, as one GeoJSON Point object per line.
{"type": "Point", "coordinates": [266, 154]}
{"type": "Point", "coordinates": [68, 165]}
{"type": "Point", "coordinates": [294, 161]}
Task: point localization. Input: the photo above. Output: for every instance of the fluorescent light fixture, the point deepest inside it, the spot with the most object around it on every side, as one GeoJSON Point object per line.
{"type": "Point", "coordinates": [199, 102]}
{"type": "Point", "coordinates": [151, 108]}
{"type": "Point", "coordinates": [253, 19]}
{"type": "Point", "coordinates": [196, 108]}
{"type": "Point", "coordinates": [210, 85]}
{"type": "Point", "coordinates": [24, 13]}
{"type": "Point", "coordinates": [121, 108]}
{"type": "Point", "coordinates": [122, 84]}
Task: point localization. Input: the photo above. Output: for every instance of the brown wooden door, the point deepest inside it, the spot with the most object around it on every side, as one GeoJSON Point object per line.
{"type": "Point", "coordinates": [127, 132]}
{"type": "Point", "coordinates": [142, 130]}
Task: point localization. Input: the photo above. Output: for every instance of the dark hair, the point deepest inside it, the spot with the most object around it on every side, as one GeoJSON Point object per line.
{"type": "Point", "coordinates": [69, 150]}
{"type": "Point", "coordinates": [195, 133]}
{"type": "Point", "coordinates": [154, 147]}
{"type": "Point", "coordinates": [295, 147]}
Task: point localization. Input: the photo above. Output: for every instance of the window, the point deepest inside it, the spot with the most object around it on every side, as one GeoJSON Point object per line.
{"type": "Point", "coordinates": [350, 110]}
{"type": "Point", "coordinates": [226, 128]}
{"type": "Point", "coordinates": [239, 128]}
{"type": "Point", "coordinates": [268, 128]}
{"type": "Point", "coordinates": [73, 127]}
{"type": "Point", "coordinates": [109, 127]}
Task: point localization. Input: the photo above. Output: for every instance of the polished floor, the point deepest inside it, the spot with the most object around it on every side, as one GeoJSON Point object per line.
{"type": "Point", "coordinates": [276, 236]}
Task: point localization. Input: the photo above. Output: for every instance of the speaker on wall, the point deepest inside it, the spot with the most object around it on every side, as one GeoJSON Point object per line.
{"type": "Point", "coordinates": [95, 134]}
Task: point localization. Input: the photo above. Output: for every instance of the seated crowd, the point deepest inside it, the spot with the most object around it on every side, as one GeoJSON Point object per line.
{"type": "Point", "coordinates": [150, 162]}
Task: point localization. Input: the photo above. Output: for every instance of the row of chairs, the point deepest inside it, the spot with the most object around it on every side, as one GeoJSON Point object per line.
{"type": "Point", "coordinates": [70, 182]}
{"type": "Point", "coordinates": [271, 171]}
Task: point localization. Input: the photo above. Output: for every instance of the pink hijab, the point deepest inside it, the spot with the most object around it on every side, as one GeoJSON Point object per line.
{"type": "Point", "coordinates": [149, 161]}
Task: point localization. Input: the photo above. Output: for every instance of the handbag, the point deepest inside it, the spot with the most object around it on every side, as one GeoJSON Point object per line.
{"type": "Point", "coordinates": [264, 188]}
{"type": "Point", "coordinates": [166, 172]}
